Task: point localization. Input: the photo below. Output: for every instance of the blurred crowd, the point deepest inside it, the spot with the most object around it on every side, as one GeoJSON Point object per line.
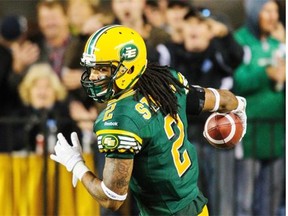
{"type": "Point", "coordinates": [40, 75]}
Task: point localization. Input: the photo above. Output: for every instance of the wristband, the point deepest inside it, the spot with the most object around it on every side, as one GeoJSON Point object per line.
{"type": "Point", "coordinates": [80, 169]}
{"type": "Point", "coordinates": [112, 195]}
{"type": "Point", "coordinates": [217, 99]}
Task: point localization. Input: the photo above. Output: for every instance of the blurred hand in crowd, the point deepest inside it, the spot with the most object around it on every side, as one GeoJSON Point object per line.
{"type": "Point", "coordinates": [277, 72]}
{"type": "Point", "coordinates": [71, 77]}
{"type": "Point", "coordinates": [279, 32]}
{"type": "Point", "coordinates": [84, 117]}
{"type": "Point", "coordinates": [24, 54]}
{"type": "Point", "coordinates": [217, 28]}
{"type": "Point", "coordinates": [92, 24]}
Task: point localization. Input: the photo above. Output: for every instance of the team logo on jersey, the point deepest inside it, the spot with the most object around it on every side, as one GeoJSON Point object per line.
{"type": "Point", "coordinates": [110, 142]}
{"type": "Point", "coordinates": [129, 51]}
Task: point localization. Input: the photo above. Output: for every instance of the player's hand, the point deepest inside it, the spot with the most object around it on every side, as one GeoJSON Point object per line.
{"type": "Point", "coordinates": [68, 155]}
{"type": "Point", "coordinates": [241, 112]}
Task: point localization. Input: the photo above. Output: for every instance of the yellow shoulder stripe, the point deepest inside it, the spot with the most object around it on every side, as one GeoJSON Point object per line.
{"type": "Point", "coordinates": [124, 95]}
{"type": "Point", "coordinates": [120, 132]}
{"type": "Point", "coordinates": [180, 77]}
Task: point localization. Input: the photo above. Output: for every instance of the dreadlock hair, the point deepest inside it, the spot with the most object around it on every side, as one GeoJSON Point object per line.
{"type": "Point", "coordinates": [158, 86]}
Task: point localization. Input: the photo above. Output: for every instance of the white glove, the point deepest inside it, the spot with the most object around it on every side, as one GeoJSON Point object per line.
{"type": "Point", "coordinates": [241, 112]}
{"type": "Point", "coordinates": [69, 156]}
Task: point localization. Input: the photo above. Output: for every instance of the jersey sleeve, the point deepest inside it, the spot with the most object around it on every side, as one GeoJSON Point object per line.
{"type": "Point", "coordinates": [118, 137]}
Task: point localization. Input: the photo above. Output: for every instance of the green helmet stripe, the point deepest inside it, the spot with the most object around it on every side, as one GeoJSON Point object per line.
{"type": "Point", "coordinates": [94, 38]}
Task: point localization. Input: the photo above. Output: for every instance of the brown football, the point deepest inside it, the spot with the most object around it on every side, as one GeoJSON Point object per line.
{"type": "Point", "coordinates": [223, 130]}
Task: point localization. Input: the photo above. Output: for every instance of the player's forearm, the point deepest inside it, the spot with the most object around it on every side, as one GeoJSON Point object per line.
{"type": "Point", "coordinates": [225, 101]}
{"type": "Point", "coordinates": [93, 186]}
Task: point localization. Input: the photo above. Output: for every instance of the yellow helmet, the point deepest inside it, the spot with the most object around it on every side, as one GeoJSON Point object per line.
{"type": "Point", "coordinates": [119, 47]}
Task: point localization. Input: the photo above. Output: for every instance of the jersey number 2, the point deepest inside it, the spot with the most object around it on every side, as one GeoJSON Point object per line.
{"type": "Point", "coordinates": [184, 162]}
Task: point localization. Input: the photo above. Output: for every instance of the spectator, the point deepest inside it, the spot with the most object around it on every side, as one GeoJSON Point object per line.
{"type": "Point", "coordinates": [208, 49]}
{"type": "Point", "coordinates": [45, 109]}
{"type": "Point", "coordinates": [155, 12]}
{"type": "Point", "coordinates": [174, 17]}
{"type": "Point", "coordinates": [79, 12]}
{"type": "Point", "coordinates": [16, 55]}
{"type": "Point", "coordinates": [130, 13]}
{"type": "Point", "coordinates": [55, 33]}
{"type": "Point", "coordinates": [208, 57]}
{"type": "Point", "coordinates": [154, 15]}
{"type": "Point", "coordinates": [261, 79]}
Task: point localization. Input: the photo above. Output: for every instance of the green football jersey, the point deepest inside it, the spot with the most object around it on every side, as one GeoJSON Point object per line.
{"type": "Point", "coordinates": [165, 170]}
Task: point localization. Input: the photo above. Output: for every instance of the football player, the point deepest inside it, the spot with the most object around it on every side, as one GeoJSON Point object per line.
{"type": "Point", "coordinates": [143, 129]}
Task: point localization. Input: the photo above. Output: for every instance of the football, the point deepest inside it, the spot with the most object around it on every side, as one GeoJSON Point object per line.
{"type": "Point", "coordinates": [223, 130]}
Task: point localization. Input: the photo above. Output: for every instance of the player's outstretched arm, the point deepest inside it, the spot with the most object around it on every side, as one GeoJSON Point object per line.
{"type": "Point", "coordinates": [219, 100]}
{"type": "Point", "coordinates": [111, 192]}
{"type": "Point", "coordinates": [216, 100]}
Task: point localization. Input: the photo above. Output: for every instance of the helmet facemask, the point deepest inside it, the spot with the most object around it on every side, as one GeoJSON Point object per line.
{"type": "Point", "coordinates": [102, 89]}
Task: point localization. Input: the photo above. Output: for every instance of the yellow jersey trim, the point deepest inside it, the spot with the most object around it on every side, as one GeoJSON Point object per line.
{"type": "Point", "coordinates": [121, 132]}
{"type": "Point", "coordinates": [124, 95]}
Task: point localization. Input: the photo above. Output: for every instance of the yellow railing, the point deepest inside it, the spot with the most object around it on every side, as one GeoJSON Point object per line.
{"type": "Point", "coordinates": [23, 192]}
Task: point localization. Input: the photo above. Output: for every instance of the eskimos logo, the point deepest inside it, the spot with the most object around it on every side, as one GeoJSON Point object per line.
{"type": "Point", "coordinates": [110, 142]}
{"type": "Point", "coordinates": [129, 52]}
